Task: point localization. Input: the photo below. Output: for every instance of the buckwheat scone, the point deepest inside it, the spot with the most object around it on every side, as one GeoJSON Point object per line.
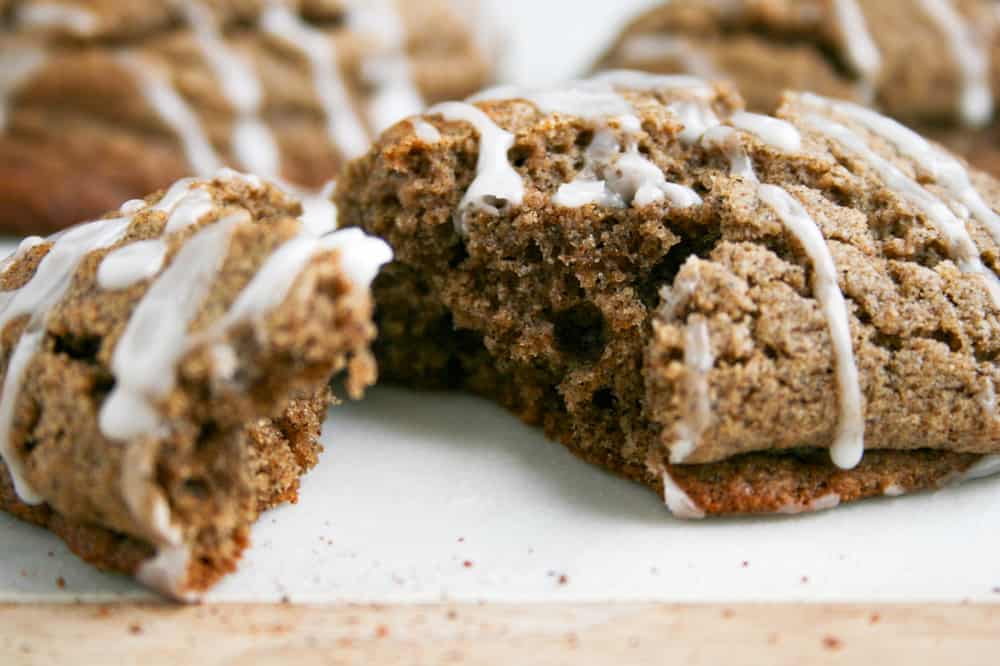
{"type": "Point", "coordinates": [748, 313]}
{"type": "Point", "coordinates": [931, 64]}
{"type": "Point", "coordinates": [165, 372]}
{"type": "Point", "coordinates": [116, 98]}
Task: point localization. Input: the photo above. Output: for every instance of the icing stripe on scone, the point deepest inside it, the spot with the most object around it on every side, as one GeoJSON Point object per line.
{"type": "Point", "coordinates": [618, 179]}
{"type": "Point", "coordinates": [772, 131]}
{"type": "Point", "coordinates": [986, 466]}
{"type": "Point", "coordinates": [497, 184]}
{"type": "Point", "coordinates": [343, 125]}
{"type": "Point", "coordinates": [937, 164]}
{"type": "Point", "coordinates": [961, 247]}
{"type": "Point", "coordinates": [679, 502]}
{"type": "Point", "coordinates": [175, 113]}
{"type": "Point", "coordinates": [976, 102]}
{"type": "Point", "coordinates": [254, 146]}
{"type": "Point", "coordinates": [144, 358]}
{"type": "Point", "coordinates": [610, 177]}
{"type": "Point", "coordinates": [697, 118]}
{"type": "Point", "coordinates": [76, 20]}
{"type": "Point", "coordinates": [848, 445]}
{"type": "Point", "coordinates": [17, 65]}
{"type": "Point", "coordinates": [43, 292]}
{"type": "Point", "coordinates": [388, 70]}
{"type": "Point", "coordinates": [699, 359]}
{"type": "Point", "coordinates": [862, 52]}
{"type": "Point", "coordinates": [425, 131]}
{"type": "Point", "coordinates": [131, 264]}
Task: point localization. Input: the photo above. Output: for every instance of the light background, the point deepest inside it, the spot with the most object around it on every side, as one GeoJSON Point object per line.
{"type": "Point", "coordinates": [429, 497]}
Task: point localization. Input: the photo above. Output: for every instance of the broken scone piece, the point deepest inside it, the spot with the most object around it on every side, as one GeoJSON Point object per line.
{"type": "Point", "coordinates": [749, 313]}
{"type": "Point", "coordinates": [166, 371]}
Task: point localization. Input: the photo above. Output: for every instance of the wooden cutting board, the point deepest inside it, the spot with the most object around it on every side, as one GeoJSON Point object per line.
{"type": "Point", "coordinates": [579, 634]}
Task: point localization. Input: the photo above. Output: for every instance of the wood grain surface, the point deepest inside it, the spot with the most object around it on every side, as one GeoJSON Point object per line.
{"type": "Point", "coordinates": [578, 634]}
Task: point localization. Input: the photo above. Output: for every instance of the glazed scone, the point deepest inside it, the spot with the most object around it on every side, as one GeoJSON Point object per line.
{"type": "Point", "coordinates": [934, 65]}
{"type": "Point", "coordinates": [166, 371]}
{"type": "Point", "coordinates": [749, 313]}
{"type": "Point", "coordinates": [117, 98]}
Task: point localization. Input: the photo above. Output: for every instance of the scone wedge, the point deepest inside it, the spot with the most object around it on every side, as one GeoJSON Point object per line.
{"type": "Point", "coordinates": [166, 372]}
{"type": "Point", "coordinates": [748, 313]}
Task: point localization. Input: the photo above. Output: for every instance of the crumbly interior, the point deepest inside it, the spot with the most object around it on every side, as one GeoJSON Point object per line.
{"type": "Point", "coordinates": [236, 440]}
{"type": "Point", "coordinates": [551, 310]}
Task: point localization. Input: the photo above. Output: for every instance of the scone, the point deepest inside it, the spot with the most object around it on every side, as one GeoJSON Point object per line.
{"type": "Point", "coordinates": [166, 370]}
{"type": "Point", "coordinates": [931, 64]}
{"type": "Point", "coordinates": [748, 313]}
{"type": "Point", "coordinates": [113, 99]}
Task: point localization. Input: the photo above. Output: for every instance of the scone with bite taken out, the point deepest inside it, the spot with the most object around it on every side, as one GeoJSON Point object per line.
{"type": "Point", "coordinates": [749, 313]}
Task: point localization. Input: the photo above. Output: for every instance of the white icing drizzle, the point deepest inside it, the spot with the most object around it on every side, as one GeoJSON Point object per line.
{"type": "Point", "coordinates": [824, 503]}
{"type": "Point", "coordinates": [131, 264]}
{"type": "Point", "coordinates": [76, 20]}
{"type": "Point", "coordinates": [724, 138]}
{"type": "Point", "coordinates": [679, 502]}
{"type": "Point", "coordinates": [894, 490]}
{"type": "Point", "coordinates": [936, 164]}
{"type": "Point", "coordinates": [23, 248]}
{"type": "Point", "coordinates": [17, 65]}
{"type": "Point", "coordinates": [862, 52]}
{"type": "Point", "coordinates": [343, 125]}
{"type": "Point", "coordinates": [961, 248]}
{"type": "Point", "coordinates": [619, 179]}
{"type": "Point", "coordinates": [696, 117]}
{"type": "Point", "coordinates": [425, 131]}
{"type": "Point", "coordinates": [497, 184]}
{"type": "Point", "coordinates": [396, 96]}
{"type": "Point", "coordinates": [848, 446]}
{"type": "Point", "coordinates": [699, 359]}
{"type": "Point", "coordinates": [360, 256]}
{"type": "Point", "coordinates": [175, 113]}
{"type": "Point", "coordinates": [319, 215]}
{"type": "Point", "coordinates": [154, 339]}
{"type": "Point", "coordinates": [41, 293]}
{"type": "Point", "coordinates": [976, 102]}
{"type": "Point", "coordinates": [773, 131]}
{"type": "Point", "coordinates": [650, 48]}
{"type": "Point", "coordinates": [849, 441]}
{"type": "Point", "coordinates": [167, 572]}
{"type": "Point", "coordinates": [984, 467]}
{"type": "Point", "coordinates": [253, 143]}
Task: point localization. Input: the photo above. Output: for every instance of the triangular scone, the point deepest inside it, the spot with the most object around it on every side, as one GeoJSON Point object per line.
{"type": "Point", "coordinates": [930, 64]}
{"type": "Point", "coordinates": [118, 98]}
{"type": "Point", "coordinates": [165, 371]}
{"type": "Point", "coordinates": [713, 302]}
